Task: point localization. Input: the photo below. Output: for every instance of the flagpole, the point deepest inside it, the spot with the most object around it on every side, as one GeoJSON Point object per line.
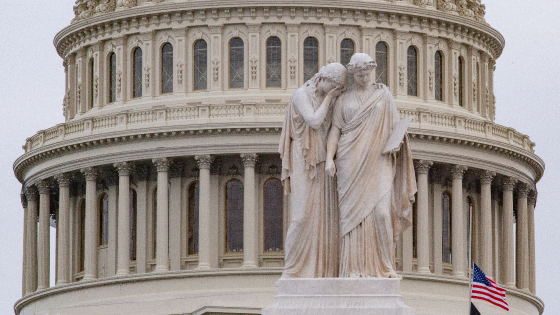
{"type": "Point", "coordinates": [470, 262]}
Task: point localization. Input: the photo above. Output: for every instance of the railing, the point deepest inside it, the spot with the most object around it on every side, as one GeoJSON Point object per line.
{"type": "Point", "coordinates": [174, 116]}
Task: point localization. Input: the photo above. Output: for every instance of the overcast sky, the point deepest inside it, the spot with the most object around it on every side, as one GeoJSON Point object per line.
{"type": "Point", "coordinates": [526, 85]}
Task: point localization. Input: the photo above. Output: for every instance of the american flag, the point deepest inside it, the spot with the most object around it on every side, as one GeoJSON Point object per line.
{"type": "Point", "coordinates": [484, 288]}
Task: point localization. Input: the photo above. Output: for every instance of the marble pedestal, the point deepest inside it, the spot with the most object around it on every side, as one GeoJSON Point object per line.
{"type": "Point", "coordinates": [338, 296]}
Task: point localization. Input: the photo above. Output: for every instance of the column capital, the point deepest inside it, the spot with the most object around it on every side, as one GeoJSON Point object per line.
{"type": "Point", "coordinates": [486, 177]}
{"type": "Point", "coordinates": [124, 168]}
{"type": "Point", "coordinates": [23, 200]}
{"type": "Point", "coordinates": [509, 183]}
{"type": "Point", "coordinates": [63, 179]}
{"type": "Point", "coordinates": [523, 190]}
{"type": "Point", "coordinates": [31, 193]}
{"type": "Point", "coordinates": [176, 169]}
{"type": "Point", "coordinates": [457, 171]}
{"type": "Point", "coordinates": [44, 186]}
{"type": "Point", "coordinates": [162, 164]}
{"type": "Point", "coordinates": [90, 173]}
{"type": "Point", "coordinates": [423, 166]}
{"type": "Point", "coordinates": [204, 161]}
{"type": "Point", "coordinates": [249, 159]}
{"type": "Point", "coordinates": [532, 198]}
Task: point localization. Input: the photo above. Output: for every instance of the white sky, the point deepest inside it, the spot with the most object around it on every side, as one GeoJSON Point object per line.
{"type": "Point", "coordinates": [526, 86]}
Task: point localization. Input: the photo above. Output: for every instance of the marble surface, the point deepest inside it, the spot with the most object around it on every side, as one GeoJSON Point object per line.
{"type": "Point", "coordinates": [338, 296]}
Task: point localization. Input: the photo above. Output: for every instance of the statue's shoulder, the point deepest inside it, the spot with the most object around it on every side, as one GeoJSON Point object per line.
{"type": "Point", "coordinates": [382, 86]}
{"type": "Point", "coordinates": [300, 94]}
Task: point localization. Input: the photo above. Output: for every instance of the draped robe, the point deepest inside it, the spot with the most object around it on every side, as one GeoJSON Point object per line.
{"type": "Point", "coordinates": [375, 190]}
{"type": "Point", "coordinates": [312, 240]}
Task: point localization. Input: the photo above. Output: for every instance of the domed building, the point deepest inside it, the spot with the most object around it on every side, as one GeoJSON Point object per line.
{"type": "Point", "coordinates": [163, 180]}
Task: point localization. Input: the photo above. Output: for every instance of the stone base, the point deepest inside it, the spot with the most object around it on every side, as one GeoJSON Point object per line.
{"type": "Point", "coordinates": [339, 296]}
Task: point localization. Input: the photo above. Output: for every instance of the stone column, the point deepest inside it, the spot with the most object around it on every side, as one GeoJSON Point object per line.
{"type": "Point", "coordinates": [141, 218]}
{"type": "Point", "coordinates": [496, 236]}
{"type": "Point", "coordinates": [92, 222]}
{"type": "Point", "coordinates": [63, 226]}
{"type": "Point", "coordinates": [407, 249]}
{"type": "Point", "coordinates": [204, 235]}
{"type": "Point", "coordinates": [458, 219]}
{"type": "Point", "coordinates": [522, 239]}
{"type": "Point", "coordinates": [508, 261]}
{"type": "Point", "coordinates": [423, 216]}
{"type": "Point", "coordinates": [250, 213]}
{"type": "Point", "coordinates": [162, 237]}
{"type": "Point", "coordinates": [25, 245]}
{"type": "Point", "coordinates": [531, 203]}
{"type": "Point", "coordinates": [176, 170]}
{"type": "Point", "coordinates": [438, 223]}
{"type": "Point", "coordinates": [112, 180]}
{"type": "Point", "coordinates": [123, 227]}
{"type": "Point", "coordinates": [31, 248]}
{"type": "Point", "coordinates": [486, 221]}
{"type": "Point", "coordinates": [43, 258]}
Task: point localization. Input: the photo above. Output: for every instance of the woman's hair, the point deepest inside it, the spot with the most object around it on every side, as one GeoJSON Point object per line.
{"type": "Point", "coordinates": [334, 72]}
{"type": "Point", "coordinates": [359, 62]}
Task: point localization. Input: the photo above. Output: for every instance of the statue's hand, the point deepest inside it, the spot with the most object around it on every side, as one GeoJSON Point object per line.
{"type": "Point", "coordinates": [335, 92]}
{"type": "Point", "coordinates": [330, 168]}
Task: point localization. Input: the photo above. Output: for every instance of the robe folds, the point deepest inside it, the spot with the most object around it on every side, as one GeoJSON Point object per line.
{"type": "Point", "coordinates": [312, 240]}
{"type": "Point", "coordinates": [375, 190]}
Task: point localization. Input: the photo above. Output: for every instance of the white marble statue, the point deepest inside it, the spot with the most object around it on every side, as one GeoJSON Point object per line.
{"type": "Point", "coordinates": [375, 190]}
{"type": "Point", "coordinates": [312, 240]}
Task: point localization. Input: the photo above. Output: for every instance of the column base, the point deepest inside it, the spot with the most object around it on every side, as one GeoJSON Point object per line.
{"type": "Point", "coordinates": [338, 296]}
{"type": "Point", "coordinates": [425, 270]}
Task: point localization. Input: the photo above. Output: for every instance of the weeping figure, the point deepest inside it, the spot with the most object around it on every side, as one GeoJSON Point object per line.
{"type": "Point", "coordinates": [312, 239]}
{"type": "Point", "coordinates": [375, 189]}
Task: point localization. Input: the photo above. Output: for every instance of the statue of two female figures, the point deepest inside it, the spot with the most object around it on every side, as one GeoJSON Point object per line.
{"type": "Point", "coordinates": [350, 230]}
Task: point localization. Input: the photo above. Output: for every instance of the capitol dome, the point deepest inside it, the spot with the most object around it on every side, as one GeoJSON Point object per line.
{"type": "Point", "coordinates": [163, 181]}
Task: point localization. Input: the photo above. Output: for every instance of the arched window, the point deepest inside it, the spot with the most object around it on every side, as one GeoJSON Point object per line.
{"type": "Point", "coordinates": [412, 70]}
{"type": "Point", "coordinates": [236, 63]}
{"type": "Point", "coordinates": [112, 77]}
{"type": "Point", "coordinates": [470, 229]}
{"type": "Point", "coordinates": [192, 217]}
{"type": "Point", "coordinates": [91, 83]}
{"type": "Point", "coordinates": [103, 208]}
{"type": "Point", "coordinates": [137, 73]}
{"type": "Point", "coordinates": [133, 213]}
{"type": "Point", "coordinates": [154, 222]}
{"type": "Point", "coordinates": [273, 62]}
{"type": "Point", "coordinates": [438, 84]}
{"type": "Point", "coordinates": [446, 227]}
{"type": "Point", "coordinates": [347, 49]}
{"type": "Point", "coordinates": [382, 62]}
{"type": "Point", "coordinates": [167, 69]}
{"type": "Point", "coordinates": [273, 216]}
{"type": "Point", "coordinates": [200, 66]}
{"type": "Point", "coordinates": [234, 216]}
{"type": "Point", "coordinates": [82, 235]}
{"type": "Point", "coordinates": [310, 58]}
{"type": "Point", "coordinates": [460, 79]}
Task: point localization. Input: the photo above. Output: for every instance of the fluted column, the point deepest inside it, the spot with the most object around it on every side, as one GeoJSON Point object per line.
{"type": "Point", "coordinates": [31, 265]}
{"type": "Point", "coordinates": [458, 219]}
{"type": "Point", "coordinates": [63, 226]}
{"type": "Point", "coordinates": [522, 239]}
{"type": "Point", "coordinates": [25, 245]}
{"type": "Point", "coordinates": [422, 224]}
{"type": "Point", "coordinates": [142, 173]}
{"type": "Point", "coordinates": [162, 237]}
{"type": "Point", "coordinates": [204, 234]}
{"type": "Point", "coordinates": [486, 221]}
{"type": "Point", "coordinates": [92, 220]}
{"type": "Point", "coordinates": [123, 227]}
{"type": "Point", "coordinates": [531, 203]}
{"type": "Point", "coordinates": [438, 224]}
{"type": "Point", "coordinates": [250, 214]}
{"type": "Point", "coordinates": [43, 258]}
{"type": "Point", "coordinates": [507, 215]}
{"type": "Point", "coordinates": [176, 171]}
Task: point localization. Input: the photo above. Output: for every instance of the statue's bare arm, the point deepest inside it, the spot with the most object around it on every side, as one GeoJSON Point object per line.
{"type": "Point", "coordinates": [332, 146]}
{"type": "Point", "coordinates": [316, 118]}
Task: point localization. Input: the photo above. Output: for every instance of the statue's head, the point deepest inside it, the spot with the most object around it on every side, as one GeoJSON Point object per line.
{"type": "Point", "coordinates": [329, 77]}
{"type": "Point", "coordinates": [360, 67]}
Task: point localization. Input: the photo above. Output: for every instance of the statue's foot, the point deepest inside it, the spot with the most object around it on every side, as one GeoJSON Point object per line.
{"type": "Point", "coordinates": [394, 275]}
